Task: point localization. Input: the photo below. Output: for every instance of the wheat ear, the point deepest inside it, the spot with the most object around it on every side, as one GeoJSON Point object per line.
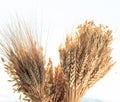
{"type": "Point", "coordinates": [24, 60]}
{"type": "Point", "coordinates": [85, 58]}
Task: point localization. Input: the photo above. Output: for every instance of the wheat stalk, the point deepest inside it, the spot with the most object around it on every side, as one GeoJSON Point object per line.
{"type": "Point", "coordinates": [84, 59]}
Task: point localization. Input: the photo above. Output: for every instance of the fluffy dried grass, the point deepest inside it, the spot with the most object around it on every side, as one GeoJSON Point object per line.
{"type": "Point", "coordinates": [84, 59]}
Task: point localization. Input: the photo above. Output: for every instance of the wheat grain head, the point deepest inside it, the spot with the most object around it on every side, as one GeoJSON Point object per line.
{"type": "Point", "coordinates": [85, 58]}
{"type": "Point", "coordinates": [24, 59]}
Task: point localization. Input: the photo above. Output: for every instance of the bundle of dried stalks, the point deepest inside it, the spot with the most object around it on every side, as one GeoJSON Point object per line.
{"type": "Point", "coordinates": [84, 59]}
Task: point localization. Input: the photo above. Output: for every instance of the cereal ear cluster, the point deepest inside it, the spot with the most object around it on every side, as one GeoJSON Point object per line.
{"type": "Point", "coordinates": [85, 58]}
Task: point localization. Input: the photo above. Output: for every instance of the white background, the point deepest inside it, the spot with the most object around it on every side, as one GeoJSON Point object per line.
{"type": "Point", "coordinates": [57, 18]}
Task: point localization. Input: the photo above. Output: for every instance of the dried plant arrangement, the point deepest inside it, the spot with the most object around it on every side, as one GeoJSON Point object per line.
{"type": "Point", "coordinates": [85, 58]}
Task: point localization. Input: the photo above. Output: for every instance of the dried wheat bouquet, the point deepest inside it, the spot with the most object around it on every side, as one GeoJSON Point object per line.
{"type": "Point", "coordinates": [85, 57]}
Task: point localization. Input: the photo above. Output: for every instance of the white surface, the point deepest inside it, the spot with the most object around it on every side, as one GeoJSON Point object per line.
{"type": "Point", "coordinates": [58, 18]}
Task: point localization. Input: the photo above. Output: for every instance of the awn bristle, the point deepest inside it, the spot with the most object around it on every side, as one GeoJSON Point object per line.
{"type": "Point", "coordinates": [84, 59]}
